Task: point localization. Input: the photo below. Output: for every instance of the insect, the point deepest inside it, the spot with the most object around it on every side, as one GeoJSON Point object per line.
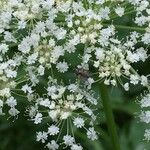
{"type": "Point", "coordinates": [82, 73]}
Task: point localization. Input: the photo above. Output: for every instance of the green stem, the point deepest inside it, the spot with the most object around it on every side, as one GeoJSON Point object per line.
{"type": "Point", "coordinates": [127, 13]}
{"type": "Point", "coordinates": [126, 27]}
{"type": "Point", "coordinates": [109, 117]}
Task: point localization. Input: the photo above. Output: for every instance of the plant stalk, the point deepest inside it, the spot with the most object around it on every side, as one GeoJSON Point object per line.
{"type": "Point", "coordinates": [109, 117]}
{"type": "Point", "coordinates": [126, 27]}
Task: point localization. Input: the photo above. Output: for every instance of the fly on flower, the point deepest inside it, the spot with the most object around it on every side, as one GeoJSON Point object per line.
{"type": "Point", "coordinates": [82, 73]}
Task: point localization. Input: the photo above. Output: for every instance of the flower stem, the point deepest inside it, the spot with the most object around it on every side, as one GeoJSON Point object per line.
{"type": "Point", "coordinates": [109, 117]}
{"type": "Point", "coordinates": [127, 27]}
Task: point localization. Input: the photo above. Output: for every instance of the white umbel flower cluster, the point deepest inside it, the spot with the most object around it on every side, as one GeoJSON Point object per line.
{"type": "Point", "coordinates": [62, 104]}
{"type": "Point", "coordinates": [8, 74]}
{"type": "Point", "coordinates": [42, 40]}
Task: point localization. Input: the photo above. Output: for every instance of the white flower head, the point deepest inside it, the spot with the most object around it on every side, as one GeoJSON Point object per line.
{"type": "Point", "coordinates": [78, 122]}
{"type": "Point", "coordinates": [27, 89]}
{"type": "Point", "coordinates": [53, 130]}
{"type": "Point", "coordinates": [145, 102]}
{"type": "Point", "coordinates": [92, 134]}
{"type": "Point", "coordinates": [68, 140]}
{"type": "Point", "coordinates": [42, 136]}
{"type": "Point", "coordinates": [62, 67]}
{"type": "Point", "coordinates": [52, 145]}
{"type": "Point", "coordinates": [76, 147]}
{"type": "Point", "coordinates": [38, 118]}
{"type": "Point", "coordinates": [11, 102]}
{"type": "Point", "coordinates": [119, 11]}
{"type": "Point", "coordinates": [145, 116]}
{"type": "Point", "coordinates": [13, 111]}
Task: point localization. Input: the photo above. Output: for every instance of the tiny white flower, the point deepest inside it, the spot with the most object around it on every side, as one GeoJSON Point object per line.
{"type": "Point", "coordinates": [53, 130]}
{"type": "Point", "coordinates": [62, 67]}
{"type": "Point", "coordinates": [134, 79]}
{"type": "Point", "coordinates": [78, 122]}
{"type": "Point", "coordinates": [42, 136]}
{"type": "Point", "coordinates": [45, 102]}
{"type": "Point", "coordinates": [51, 90]}
{"type": "Point", "coordinates": [5, 92]}
{"type": "Point", "coordinates": [21, 24]}
{"type": "Point", "coordinates": [76, 147]}
{"type": "Point", "coordinates": [68, 140]}
{"type": "Point", "coordinates": [52, 145]}
{"type": "Point", "coordinates": [38, 118]}
{"type": "Point", "coordinates": [27, 89]}
{"type": "Point", "coordinates": [41, 70]}
{"type": "Point", "coordinates": [144, 80]}
{"type": "Point", "coordinates": [92, 134]}
{"type": "Point", "coordinates": [32, 58]}
{"type": "Point", "coordinates": [52, 42]}
{"type": "Point", "coordinates": [11, 102]}
{"type": "Point", "coordinates": [3, 48]}
{"type": "Point", "coordinates": [145, 102]}
{"type": "Point", "coordinates": [145, 116]}
{"type": "Point", "coordinates": [65, 114]}
{"type": "Point", "coordinates": [13, 111]}
{"type": "Point", "coordinates": [10, 73]}
{"type": "Point", "coordinates": [126, 86]}
{"type": "Point", "coordinates": [119, 11]}
{"type": "Point", "coordinates": [72, 87]}
{"type": "Point", "coordinates": [53, 114]}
